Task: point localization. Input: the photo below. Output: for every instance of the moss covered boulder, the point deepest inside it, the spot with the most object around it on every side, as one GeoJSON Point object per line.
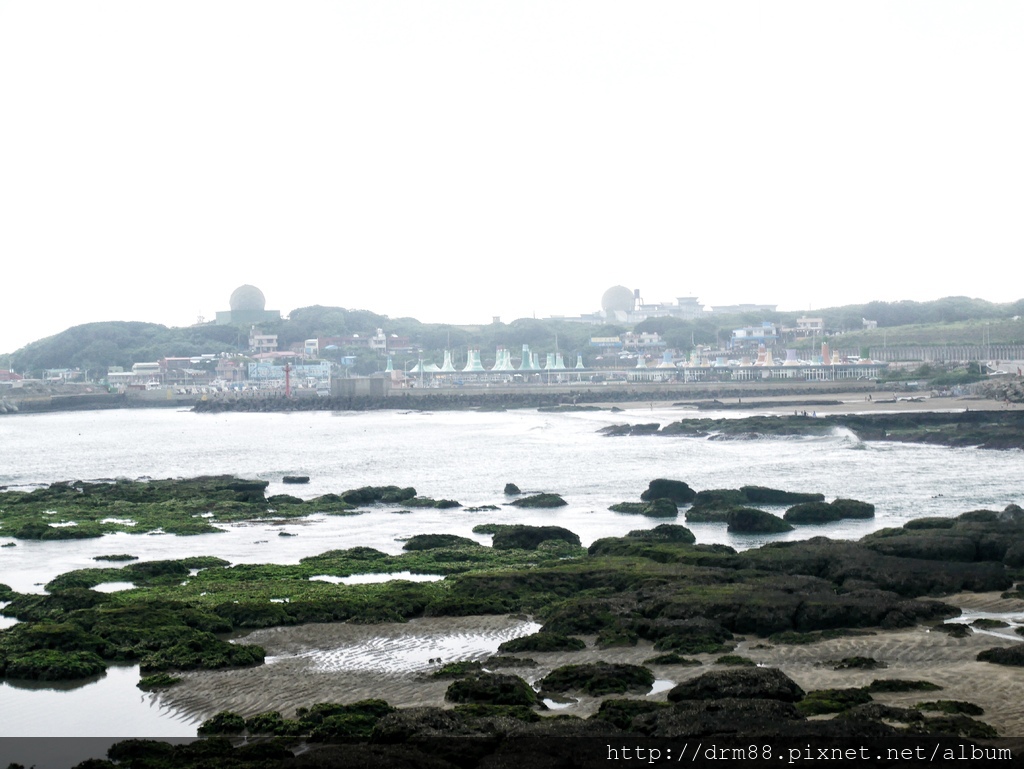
{"type": "Point", "coordinates": [597, 679]}
{"type": "Point", "coordinates": [658, 508]}
{"type": "Point", "coordinates": [492, 689]}
{"type": "Point", "coordinates": [762, 495]}
{"type": "Point", "coordinates": [1010, 655]}
{"type": "Point", "coordinates": [529, 537]}
{"type": "Point", "coordinates": [436, 541]}
{"type": "Point", "coordinates": [742, 683]}
{"type": "Point", "coordinates": [720, 499]}
{"type": "Point", "coordinates": [663, 488]}
{"type": "Point", "coordinates": [540, 500]}
{"type": "Point", "coordinates": [367, 495]}
{"type": "Point", "coordinates": [664, 532]}
{"type": "Point", "coordinates": [52, 665]}
{"type": "Point", "coordinates": [542, 642]}
{"type": "Point", "coordinates": [822, 512]}
{"type": "Point", "coordinates": [750, 520]}
{"type": "Point", "coordinates": [832, 701]}
{"type": "Point", "coordinates": [225, 722]}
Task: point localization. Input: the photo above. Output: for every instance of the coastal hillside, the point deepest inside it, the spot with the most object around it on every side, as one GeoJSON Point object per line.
{"type": "Point", "coordinates": [98, 346]}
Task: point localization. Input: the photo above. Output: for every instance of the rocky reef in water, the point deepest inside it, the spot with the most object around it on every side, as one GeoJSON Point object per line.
{"type": "Point", "coordinates": [655, 585]}
{"type": "Point", "coordinates": [985, 429]}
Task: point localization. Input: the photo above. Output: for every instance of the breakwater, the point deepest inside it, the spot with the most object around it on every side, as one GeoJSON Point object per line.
{"type": "Point", "coordinates": [451, 399]}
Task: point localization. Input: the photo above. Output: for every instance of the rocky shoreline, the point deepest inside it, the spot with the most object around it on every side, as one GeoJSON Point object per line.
{"type": "Point", "coordinates": [813, 642]}
{"type": "Point", "coordinates": [981, 428]}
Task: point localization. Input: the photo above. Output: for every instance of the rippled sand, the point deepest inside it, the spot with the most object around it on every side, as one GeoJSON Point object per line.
{"type": "Point", "coordinates": [346, 663]}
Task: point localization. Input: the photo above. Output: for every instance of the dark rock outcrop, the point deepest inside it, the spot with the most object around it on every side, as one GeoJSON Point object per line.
{"type": "Point", "coordinates": [597, 679]}
{"type": "Point", "coordinates": [658, 508]}
{"type": "Point", "coordinates": [821, 512]}
{"type": "Point", "coordinates": [435, 541]}
{"type": "Point", "coordinates": [540, 500]}
{"type": "Point", "coordinates": [750, 520]}
{"type": "Point", "coordinates": [762, 495]}
{"type": "Point", "coordinates": [663, 488]}
{"type": "Point", "coordinates": [740, 683]}
{"type": "Point", "coordinates": [529, 537]}
{"type": "Point", "coordinates": [492, 689]}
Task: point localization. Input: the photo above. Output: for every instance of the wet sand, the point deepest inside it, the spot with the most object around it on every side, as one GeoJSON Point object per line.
{"type": "Point", "coordinates": [345, 663]}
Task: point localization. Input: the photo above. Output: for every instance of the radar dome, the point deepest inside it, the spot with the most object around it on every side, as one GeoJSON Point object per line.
{"type": "Point", "coordinates": [247, 299]}
{"type": "Point", "coordinates": [617, 299]}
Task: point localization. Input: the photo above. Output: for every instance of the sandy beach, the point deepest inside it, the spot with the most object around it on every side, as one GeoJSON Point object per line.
{"type": "Point", "coordinates": [347, 663]}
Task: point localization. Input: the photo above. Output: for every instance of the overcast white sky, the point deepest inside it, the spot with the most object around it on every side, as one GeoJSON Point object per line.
{"type": "Point", "coordinates": [458, 160]}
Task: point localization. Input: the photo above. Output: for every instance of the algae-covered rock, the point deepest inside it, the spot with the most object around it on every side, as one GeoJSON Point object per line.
{"type": "Point", "coordinates": [750, 520]}
{"type": "Point", "coordinates": [458, 669]}
{"type": "Point", "coordinates": [224, 722]}
{"type": "Point", "coordinates": [492, 689]}
{"type": "Point", "coordinates": [621, 712]}
{"type": "Point", "coordinates": [709, 499]}
{"type": "Point", "coordinates": [157, 682]}
{"type": "Point", "coordinates": [540, 500]}
{"type": "Point", "coordinates": [295, 479]}
{"type": "Point", "coordinates": [672, 659]}
{"type": "Point", "coordinates": [664, 488]}
{"type": "Point", "coordinates": [597, 679]}
{"type": "Point", "coordinates": [277, 500]}
{"type": "Point", "coordinates": [952, 707]}
{"type": "Point", "coordinates": [708, 514]}
{"type": "Point", "coordinates": [441, 504]}
{"type": "Point", "coordinates": [822, 512]}
{"type": "Point", "coordinates": [542, 642]}
{"type": "Point", "coordinates": [695, 635]}
{"type": "Point", "coordinates": [401, 726]}
{"type": "Point", "coordinates": [743, 683]}
{"type": "Point", "coordinates": [436, 541]}
{"type": "Point", "coordinates": [53, 665]}
{"type": "Point", "coordinates": [268, 722]}
{"type": "Point", "coordinates": [658, 508]}
{"type": "Point", "coordinates": [762, 719]}
{"type": "Point", "coordinates": [735, 661]}
{"type": "Point", "coordinates": [611, 637]}
{"type": "Point", "coordinates": [1010, 655]}
{"type": "Point", "coordinates": [762, 495]}
{"type": "Point", "coordinates": [886, 685]}
{"type": "Point", "coordinates": [832, 700]}
{"type": "Point", "coordinates": [664, 532]}
{"type": "Point", "coordinates": [876, 711]}
{"type": "Point", "coordinates": [366, 495]}
{"type": "Point", "coordinates": [529, 537]}
{"type": "Point", "coordinates": [512, 490]}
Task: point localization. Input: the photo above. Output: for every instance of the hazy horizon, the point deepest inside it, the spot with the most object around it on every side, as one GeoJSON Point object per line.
{"type": "Point", "coordinates": [455, 161]}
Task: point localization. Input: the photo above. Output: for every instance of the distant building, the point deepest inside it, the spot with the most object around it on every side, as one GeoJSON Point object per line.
{"type": "Point", "coordinates": [810, 325]}
{"type": "Point", "coordinates": [248, 306]}
{"type": "Point", "coordinates": [739, 309]}
{"type": "Point", "coordinates": [261, 343]}
{"type": "Point", "coordinates": [766, 334]}
{"type": "Point", "coordinates": [314, 375]}
{"type": "Point", "coordinates": [647, 340]}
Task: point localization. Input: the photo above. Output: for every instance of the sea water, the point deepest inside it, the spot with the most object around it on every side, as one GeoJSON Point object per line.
{"type": "Point", "coordinates": [462, 455]}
